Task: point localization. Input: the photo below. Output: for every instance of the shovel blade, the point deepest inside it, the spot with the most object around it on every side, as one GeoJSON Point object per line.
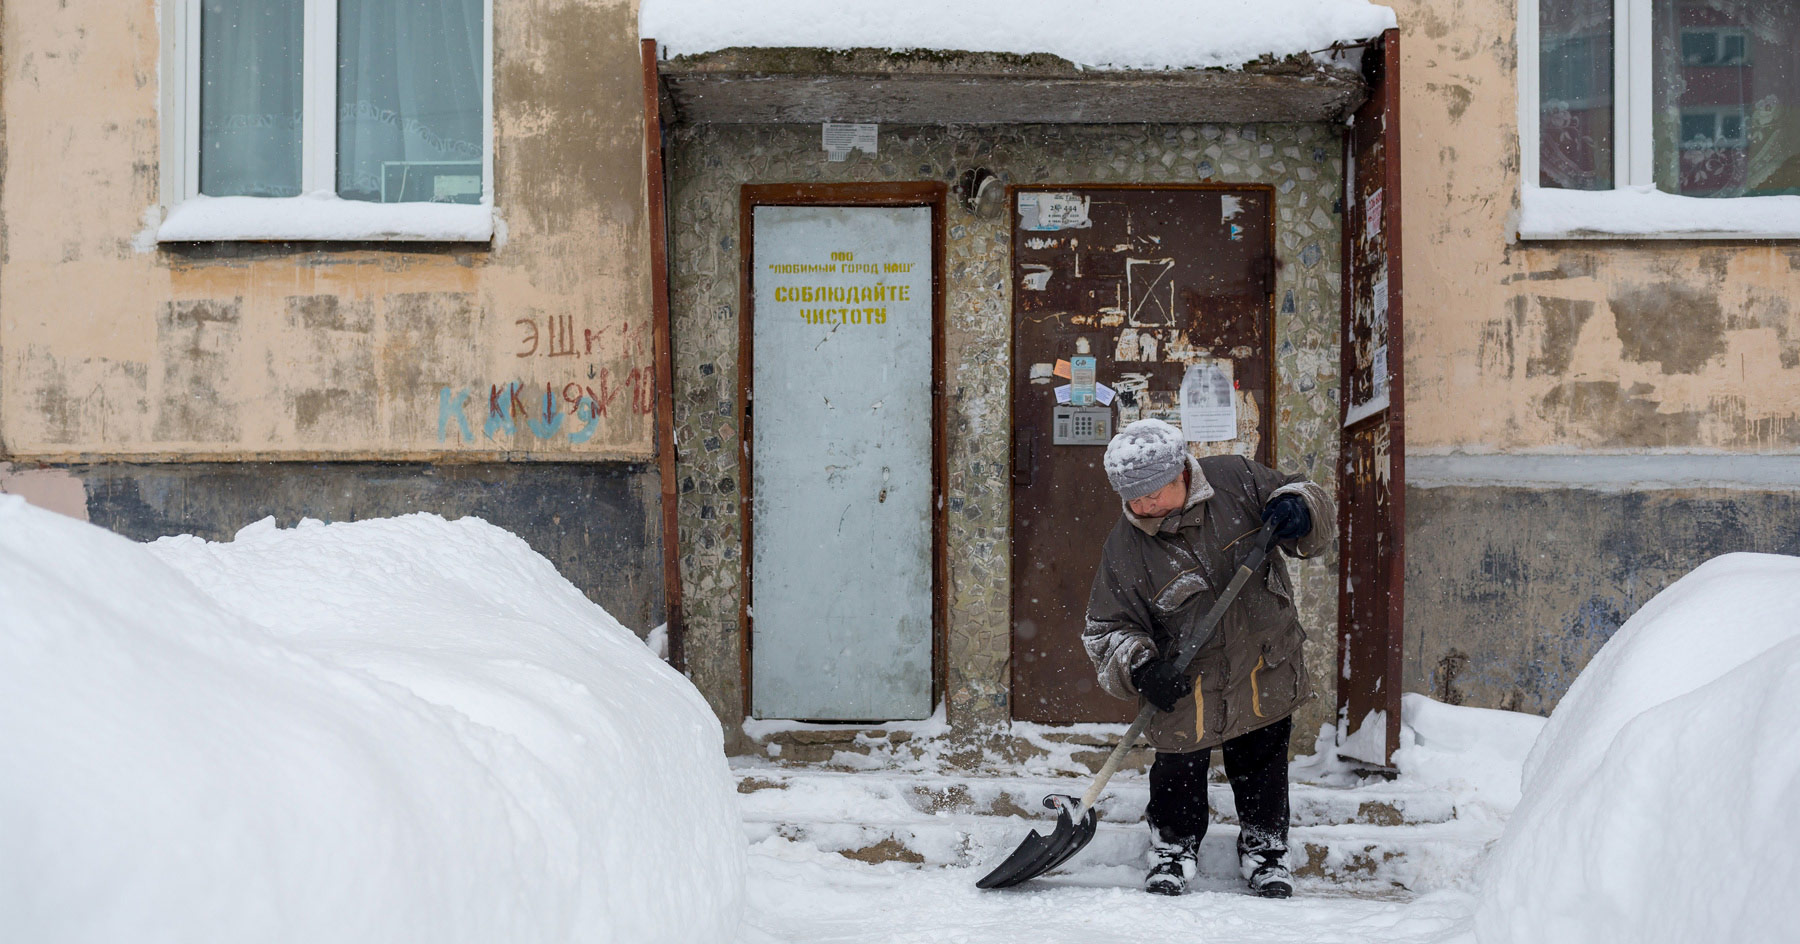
{"type": "Point", "coordinates": [1038, 853]}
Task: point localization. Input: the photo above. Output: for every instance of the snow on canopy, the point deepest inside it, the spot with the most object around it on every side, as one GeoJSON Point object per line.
{"type": "Point", "coordinates": [1111, 34]}
{"type": "Point", "coordinates": [1659, 804]}
{"type": "Point", "coordinates": [408, 729]}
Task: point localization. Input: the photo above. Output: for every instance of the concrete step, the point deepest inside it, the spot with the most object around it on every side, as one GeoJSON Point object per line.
{"type": "Point", "coordinates": [900, 795]}
{"type": "Point", "coordinates": [1370, 840]}
{"type": "Point", "coordinates": [1378, 858]}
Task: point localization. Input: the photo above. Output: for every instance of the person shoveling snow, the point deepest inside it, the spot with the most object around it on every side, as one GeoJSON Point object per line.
{"type": "Point", "coordinates": [1220, 665]}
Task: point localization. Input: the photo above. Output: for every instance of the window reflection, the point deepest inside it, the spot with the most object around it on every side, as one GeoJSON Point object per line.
{"type": "Point", "coordinates": [1726, 84]}
{"type": "Point", "coordinates": [1575, 94]}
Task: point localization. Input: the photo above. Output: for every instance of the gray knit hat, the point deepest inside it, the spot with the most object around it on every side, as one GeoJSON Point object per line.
{"type": "Point", "coordinates": [1144, 457]}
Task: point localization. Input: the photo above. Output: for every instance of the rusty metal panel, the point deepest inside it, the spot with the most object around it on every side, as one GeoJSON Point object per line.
{"type": "Point", "coordinates": [1371, 478]}
{"type": "Point", "coordinates": [1146, 280]}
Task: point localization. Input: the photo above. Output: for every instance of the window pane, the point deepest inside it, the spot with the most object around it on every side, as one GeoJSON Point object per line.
{"type": "Point", "coordinates": [409, 100]}
{"type": "Point", "coordinates": [250, 98]}
{"type": "Point", "coordinates": [1726, 119]}
{"type": "Point", "coordinates": [1575, 94]}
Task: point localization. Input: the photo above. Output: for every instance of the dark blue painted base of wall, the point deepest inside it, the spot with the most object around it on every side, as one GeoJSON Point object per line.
{"type": "Point", "coordinates": [1510, 591]}
{"type": "Point", "coordinates": [597, 522]}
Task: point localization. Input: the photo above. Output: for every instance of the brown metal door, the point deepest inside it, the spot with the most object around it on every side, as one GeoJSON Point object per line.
{"type": "Point", "coordinates": [1372, 467]}
{"type": "Point", "coordinates": [1146, 280]}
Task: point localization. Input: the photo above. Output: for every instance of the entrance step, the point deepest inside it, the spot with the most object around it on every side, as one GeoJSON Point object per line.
{"type": "Point", "coordinates": [1375, 839]}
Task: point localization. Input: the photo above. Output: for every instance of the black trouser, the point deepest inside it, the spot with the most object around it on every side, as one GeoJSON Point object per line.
{"type": "Point", "coordinates": [1256, 765]}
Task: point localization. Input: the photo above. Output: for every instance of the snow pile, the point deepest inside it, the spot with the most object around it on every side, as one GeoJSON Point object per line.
{"type": "Point", "coordinates": [1660, 801]}
{"type": "Point", "coordinates": [1122, 34]}
{"type": "Point", "coordinates": [397, 730]}
{"type": "Point", "coordinates": [1551, 213]}
{"type": "Point", "coordinates": [1473, 754]}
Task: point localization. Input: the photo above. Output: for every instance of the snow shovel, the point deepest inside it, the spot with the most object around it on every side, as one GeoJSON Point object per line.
{"type": "Point", "coordinates": [1076, 819]}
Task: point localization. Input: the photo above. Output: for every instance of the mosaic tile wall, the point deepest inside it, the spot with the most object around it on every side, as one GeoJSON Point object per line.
{"type": "Point", "coordinates": [707, 166]}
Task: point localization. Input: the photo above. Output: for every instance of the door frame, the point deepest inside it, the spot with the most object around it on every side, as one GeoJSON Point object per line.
{"type": "Point", "coordinates": [1271, 322]}
{"type": "Point", "coordinates": [930, 194]}
{"type": "Point", "coordinates": [1371, 545]}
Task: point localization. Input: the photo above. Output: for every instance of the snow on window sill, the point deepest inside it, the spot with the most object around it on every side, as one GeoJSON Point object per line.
{"type": "Point", "coordinates": [1647, 213]}
{"type": "Point", "coordinates": [323, 217]}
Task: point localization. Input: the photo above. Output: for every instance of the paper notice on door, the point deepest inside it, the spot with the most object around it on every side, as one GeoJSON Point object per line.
{"type": "Point", "coordinates": [1053, 211]}
{"type": "Point", "coordinates": [1378, 372]}
{"type": "Point", "coordinates": [1208, 409]}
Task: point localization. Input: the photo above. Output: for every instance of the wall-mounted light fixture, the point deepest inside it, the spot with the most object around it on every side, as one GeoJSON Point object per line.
{"type": "Point", "coordinates": [981, 191]}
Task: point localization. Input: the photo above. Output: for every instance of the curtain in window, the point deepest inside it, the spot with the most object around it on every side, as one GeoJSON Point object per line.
{"type": "Point", "coordinates": [409, 100]}
{"type": "Point", "coordinates": [250, 97]}
{"type": "Point", "coordinates": [1575, 94]}
{"type": "Point", "coordinates": [1727, 97]}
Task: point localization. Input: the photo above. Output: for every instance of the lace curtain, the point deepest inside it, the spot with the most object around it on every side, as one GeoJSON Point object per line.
{"type": "Point", "coordinates": [409, 100]}
{"type": "Point", "coordinates": [1727, 97]}
{"type": "Point", "coordinates": [250, 97]}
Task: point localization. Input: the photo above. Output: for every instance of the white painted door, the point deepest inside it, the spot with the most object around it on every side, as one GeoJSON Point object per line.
{"type": "Point", "coordinates": [841, 481]}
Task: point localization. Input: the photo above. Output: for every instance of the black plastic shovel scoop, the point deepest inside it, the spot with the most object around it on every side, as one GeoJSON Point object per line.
{"type": "Point", "coordinates": [1076, 819]}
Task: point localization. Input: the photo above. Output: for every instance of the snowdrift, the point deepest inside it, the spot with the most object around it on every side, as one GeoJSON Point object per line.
{"type": "Point", "coordinates": [397, 730]}
{"type": "Point", "coordinates": [1659, 804]}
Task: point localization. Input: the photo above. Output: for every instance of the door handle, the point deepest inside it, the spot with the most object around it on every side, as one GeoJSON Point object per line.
{"type": "Point", "coordinates": [1024, 455]}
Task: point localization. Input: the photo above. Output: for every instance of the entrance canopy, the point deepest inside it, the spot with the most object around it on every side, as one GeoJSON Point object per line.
{"type": "Point", "coordinates": [1011, 61]}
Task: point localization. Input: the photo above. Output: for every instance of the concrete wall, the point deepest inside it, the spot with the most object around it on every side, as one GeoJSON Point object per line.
{"type": "Point", "coordinates": [597, 522]}
{"type": "Point", "coordinates": [709, 163]}
{"type": "Point", "coordinates": [113, 346]}
{"type": "Point", "coordinates": [1628, 354]}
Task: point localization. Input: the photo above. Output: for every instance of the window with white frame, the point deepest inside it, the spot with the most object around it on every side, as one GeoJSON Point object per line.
{"type": "Point", "coordinates": [1696, 98]}
{"type": "Point", "coordinates": [318, 109]}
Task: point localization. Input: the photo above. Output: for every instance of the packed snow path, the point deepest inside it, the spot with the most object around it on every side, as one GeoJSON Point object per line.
{"type": "Point", "coordinates": [800, 895]}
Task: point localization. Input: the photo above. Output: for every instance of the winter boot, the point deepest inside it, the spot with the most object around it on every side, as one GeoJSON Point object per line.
{"type": "Point", "coordinates": [1262, 859]}
{"type": "Point", "coordinates": [1172, 865]}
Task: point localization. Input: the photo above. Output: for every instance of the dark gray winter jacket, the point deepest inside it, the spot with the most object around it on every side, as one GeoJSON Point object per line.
{"type": "Point", "coordinates": [1158, 576]}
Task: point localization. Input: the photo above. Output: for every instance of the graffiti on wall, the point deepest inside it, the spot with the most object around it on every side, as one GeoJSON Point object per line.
{"type": "Point", "coordinates": [573, 409]}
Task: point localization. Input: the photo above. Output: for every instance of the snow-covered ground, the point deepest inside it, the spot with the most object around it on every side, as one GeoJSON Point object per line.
{"type": "Point", "coordinates": [799, 894]}
{"type": "Point", "coordinates": [1459, 771]}
{"type": "Point", "coordinates": [397, 730]}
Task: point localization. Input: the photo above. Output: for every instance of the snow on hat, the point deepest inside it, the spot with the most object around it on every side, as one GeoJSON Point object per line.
{"type": "Point", "coordinates": [1144, 457]}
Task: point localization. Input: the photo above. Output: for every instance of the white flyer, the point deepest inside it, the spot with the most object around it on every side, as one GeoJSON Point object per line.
{"type": "Point", "coordinates": [840, 138]}
{"type": "Point", "coordinates": [1053, 211]}
{"type": "Point", "coordinates": [1208, 408]}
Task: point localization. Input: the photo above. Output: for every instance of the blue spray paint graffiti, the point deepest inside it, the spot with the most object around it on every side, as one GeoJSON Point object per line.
{"type": "Point", "coordinates": [513, 406]}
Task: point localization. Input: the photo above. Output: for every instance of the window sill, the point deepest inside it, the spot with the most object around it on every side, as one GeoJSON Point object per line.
{"type": "Point", "coordinates": [323, 217]}
{"type": "Point", "coordinates": [1646, 213]}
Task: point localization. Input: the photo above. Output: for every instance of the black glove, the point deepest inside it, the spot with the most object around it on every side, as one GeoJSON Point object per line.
{"type": "Point", "coordinates": [1160, 684]}
{"type": "Point", "coordinates": [1289, 513]}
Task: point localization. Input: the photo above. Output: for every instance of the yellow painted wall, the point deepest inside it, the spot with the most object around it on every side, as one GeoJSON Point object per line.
{"type": "Point", "coordinates": [1610, 345]}
{"type": "Point", "coordinates": [111, 346]}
